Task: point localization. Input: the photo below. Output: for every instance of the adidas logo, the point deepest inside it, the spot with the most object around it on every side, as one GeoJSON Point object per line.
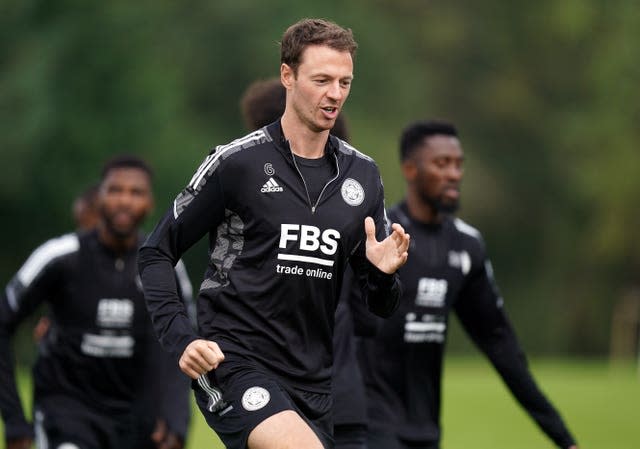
{"type": "Point", "coordinates": [271, 186]}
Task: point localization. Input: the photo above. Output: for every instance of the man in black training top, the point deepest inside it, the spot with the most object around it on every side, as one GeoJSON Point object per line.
{"type": "Point", "coordinates": [101, 378]}
{"type": "Point", "coordinates": [286, 208]}
{"type": "Point", "coordinates": [448, 270]}
{"type": "Point", "coordinates": [262, 103]}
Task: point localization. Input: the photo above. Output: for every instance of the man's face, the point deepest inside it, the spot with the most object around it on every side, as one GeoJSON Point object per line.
{"type": "Point", "coordinates": [320, 87]}
{"type": "Point", "coordinates": [436, 173]}
{"type": "Point", "coordinates": [124, 200]}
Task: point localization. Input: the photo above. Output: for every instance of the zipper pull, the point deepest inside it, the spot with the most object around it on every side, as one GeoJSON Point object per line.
{"type": "Point", "coordinates": [313, 209]}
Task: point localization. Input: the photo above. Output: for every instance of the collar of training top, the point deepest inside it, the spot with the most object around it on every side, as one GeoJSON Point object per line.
{"type": "Point", "coordinates": [274, 130]}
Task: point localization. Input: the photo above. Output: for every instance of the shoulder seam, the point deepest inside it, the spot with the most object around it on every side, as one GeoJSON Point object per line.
{"type": "Point", "coordinates": [466, 228]}
{"type": "Point", "coordinates": [45, 254]}
{"type": "Point", "coordinates": [344, 145]}
{"type": "Point", "coordinates": [248, 141]}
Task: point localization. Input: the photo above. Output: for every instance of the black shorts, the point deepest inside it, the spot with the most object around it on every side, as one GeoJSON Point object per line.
{"type": "Point", "coordinates": [388, 440]}
{"type": "Point", "coordinates": [61, 421]}
{"type": "Point", "coordinates": [350, 436]}
{"type": "Point", "coordinates": [235, 398]}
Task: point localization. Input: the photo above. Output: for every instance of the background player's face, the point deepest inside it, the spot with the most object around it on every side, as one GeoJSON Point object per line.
{"type": "Point", "coordinates": [321, 86]}
{"type": "Point", "coordinates": [125, 200]}
{"type": "Point", "coordinates": [437, 172]}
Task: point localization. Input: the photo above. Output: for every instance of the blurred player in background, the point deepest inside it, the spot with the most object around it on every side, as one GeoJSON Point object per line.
{"type": "Point", "coordinates": [85, 216]}
{"type": "Point", "coordinates": [100, 379]}
{"type": "Point", "coordinates": [448, 271]}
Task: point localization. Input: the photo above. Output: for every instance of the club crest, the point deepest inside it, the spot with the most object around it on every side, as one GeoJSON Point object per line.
{"type": "Point", "coordinates": [352, 192]}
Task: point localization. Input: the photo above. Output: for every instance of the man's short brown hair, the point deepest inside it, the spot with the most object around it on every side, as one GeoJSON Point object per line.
{"type": "Point", "coordinates": [314, 32]}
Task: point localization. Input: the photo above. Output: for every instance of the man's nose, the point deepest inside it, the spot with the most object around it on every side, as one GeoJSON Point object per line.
{"type": "Point", "coordinates": [125, 199]}
{"type": "Point", "coordinates": [335, 91]}
{"type": "Point", "coordinates": [454, 173]}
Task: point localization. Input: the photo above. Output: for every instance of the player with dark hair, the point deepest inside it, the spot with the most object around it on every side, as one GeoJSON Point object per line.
{"type": "Point", "coordinates": [448, 271]}
{"type": "Point", "coordinates": [85, 208]}
{"type": "Point", "coordinates": [100, 377]}
{"type": "Point", "coordinates": [262, 103]}
{"type": "Point", "coordinates": [286, 207]}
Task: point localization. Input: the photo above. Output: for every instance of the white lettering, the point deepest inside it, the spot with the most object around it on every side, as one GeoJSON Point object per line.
{"type": "Point", "coordinates": [285, 234]}
{"type": "Point", "coordinates": [330, 239]}
{"type": "Point", "coordinates": [309, 238]}
{"type": "Point", "coordinates": [107, 345]}
{"type": "Point", "coordinates": [114, 312]}
{"type": "Point", "coordinates": [431, 292]}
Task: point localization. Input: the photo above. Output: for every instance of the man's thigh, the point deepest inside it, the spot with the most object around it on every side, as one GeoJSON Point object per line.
{"type": "Point", "coordinates": [285, 430]}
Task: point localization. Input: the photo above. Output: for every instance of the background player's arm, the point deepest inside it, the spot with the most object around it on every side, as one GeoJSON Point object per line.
{"type": "Point", "coordinates": [483, 317]}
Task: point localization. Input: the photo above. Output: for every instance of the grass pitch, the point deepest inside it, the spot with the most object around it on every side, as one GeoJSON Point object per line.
{"type": "Point", "coordinates": [600, 404]}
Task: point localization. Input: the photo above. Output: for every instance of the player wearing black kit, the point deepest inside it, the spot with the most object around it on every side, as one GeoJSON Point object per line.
{"type": "Point", "coordinates": [100, 380]}
{"type": "Point", "coordinates": [287, 208]}
{"type": "Point", "coordinates": [448, 270]}
{"type": "Point", "coordinates": [263, 103]}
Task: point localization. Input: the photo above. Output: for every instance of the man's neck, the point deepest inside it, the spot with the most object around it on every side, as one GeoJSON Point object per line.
{"type": "Point", "coordinates": [303, 141]}
{"type": "Point", "coordinates": [421, 211]}
{"type": "Point", "coordinates": [118, 245]}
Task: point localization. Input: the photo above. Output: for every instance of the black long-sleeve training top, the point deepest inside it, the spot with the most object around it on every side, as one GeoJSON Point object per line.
{"type": "Point", "coordinates": [447, 270]}
{"type": "Point", "coordinates": [276, 256]}
{"type": "Point", "coordinates": [100, 348]}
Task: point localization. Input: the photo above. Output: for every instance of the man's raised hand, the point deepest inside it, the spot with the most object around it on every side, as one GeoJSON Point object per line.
{"type": "Point", "coordinates": [389, 254]}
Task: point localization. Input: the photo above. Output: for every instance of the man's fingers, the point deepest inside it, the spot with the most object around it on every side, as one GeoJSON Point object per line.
{"type": "Point", "coordinates": [171, 442]}
{"type": "Point", "coordinates": [188, 368]}
{"type": "Point", "coordinates": [200, 356]}
{"type": "Point", "coordinates": [400, 237]}
{"type": "Point", "coordinates": [19, 443]}
{"type": "Point", "coordinates": [215, 355]}
{"type": "Point", "coordinates": [159, 432]}
{"type": "Point", "coordinates": [370, 228]}
{"type": "Point", "coordinates": [398, 230]}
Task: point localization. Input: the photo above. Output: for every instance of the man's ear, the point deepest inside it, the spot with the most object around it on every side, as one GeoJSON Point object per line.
{"type": "Point", "coordinates": [409, 170]}
{"type": "Point", "coordinates": [286, 75]}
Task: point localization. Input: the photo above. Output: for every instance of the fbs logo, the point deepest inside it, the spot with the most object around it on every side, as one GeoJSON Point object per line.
{"type": "Point", "coordinates": [114, 312]}
{"type": "Point", "coordinates": [271, 186]}
{"type": "Point", "coordinates": [431, 292]}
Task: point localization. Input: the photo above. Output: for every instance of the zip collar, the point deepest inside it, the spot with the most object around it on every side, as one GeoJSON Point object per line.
{"type": "Point", "coordinates": [274, 131]}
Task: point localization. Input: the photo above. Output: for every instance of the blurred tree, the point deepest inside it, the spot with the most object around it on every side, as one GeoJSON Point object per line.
{"type": "Point", "coordinates": [542, 93]}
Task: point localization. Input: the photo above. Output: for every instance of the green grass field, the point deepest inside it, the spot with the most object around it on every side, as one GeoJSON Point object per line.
{"type": "Point", "coordinates": [601, 405]}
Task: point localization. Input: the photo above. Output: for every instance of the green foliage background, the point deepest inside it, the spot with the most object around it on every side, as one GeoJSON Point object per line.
{"type": "Point", "coordinates": [545, 95]}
